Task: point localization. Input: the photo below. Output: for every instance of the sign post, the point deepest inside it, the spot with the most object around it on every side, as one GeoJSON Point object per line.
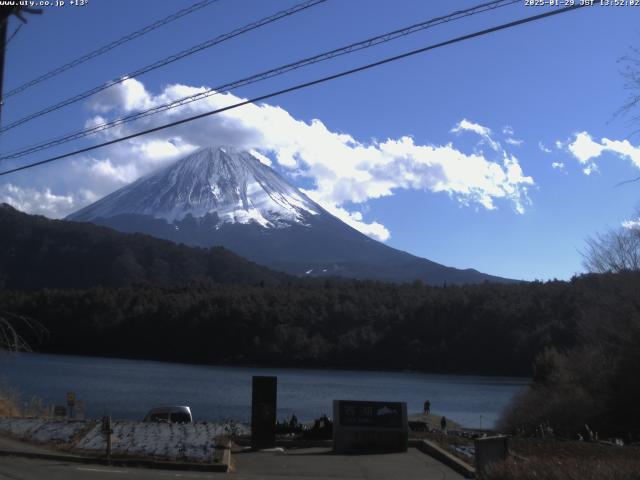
{"type": "Point", "coordinates": [108, 431]}
{"type": "Point", "coordinates": [71, 401]}
{"type": "Point", "coordinates": [79, 413]}
{"type": "Point", "coordinates": [370, 426]}
{"type": "Point", "coordinates": [264, 394]}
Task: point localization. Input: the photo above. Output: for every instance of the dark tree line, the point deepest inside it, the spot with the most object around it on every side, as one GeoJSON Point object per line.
{"type": "Point", "coordinates": [488, 328]}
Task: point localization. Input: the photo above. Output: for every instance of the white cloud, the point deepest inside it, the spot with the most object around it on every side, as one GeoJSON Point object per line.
{"type": "Point", "coordinates": [514, 142]}
{"type": "Point", "coordinates": [340, 169]}
{"type": "Point", "coordinates": [631, 224]}
{"type": "Point", "coordinates": [466, 125]}
{"type": "Point", "coordinates": [543, 148]}
{"type": "Point", "coordinates": [355, 220]}
{"type": "Point", "coordinates": [43, 202]}
{"type": "Point", "coordinates": [129, 95]}
{"type": "Point", "coordinates": [587, 150]}
{"type": "Point", "coordinates": [484, 132]}
{"type": "Point", "coordinates": [623, 149]}
{"type": "Point", "coordinates": [263, 158]}
{"type": "Point", "coordinates": [508, 131]}
{"type": "Point", "coordinates": [584, 148]}
{"type": "Point", "coordinates": [557, 165]}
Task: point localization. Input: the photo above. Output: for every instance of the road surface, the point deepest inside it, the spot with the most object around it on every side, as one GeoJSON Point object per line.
{"type": "Point", "coordinates": [311, 464]}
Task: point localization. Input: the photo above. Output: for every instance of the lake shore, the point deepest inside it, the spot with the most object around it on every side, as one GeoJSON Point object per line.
{"type": "Point", "coordinates": [433, 421]}
{"type": "Point", "coordinates": [127, 389]}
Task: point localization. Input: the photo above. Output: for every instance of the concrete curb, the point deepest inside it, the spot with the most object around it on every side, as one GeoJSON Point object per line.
{"type": "Point", "coordinates": [453, 462]}
{"type": "Point", "coordinates": [222, 456]}
{"type": "Point", "coordinates": [291, 443]}
{"type": "Point", "coordinates": [300, 443]}
{"type": "Point", "coordinates": [223, 466]}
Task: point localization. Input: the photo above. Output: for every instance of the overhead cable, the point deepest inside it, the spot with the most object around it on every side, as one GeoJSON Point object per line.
{"type": "Point", "coordinates": [300, 86]}
{"type": "Point", "coordinates": [109, 46]}
{"type": "Point", "coordinates": [208, 92]}
{"type": "Point", "coordinates": [165, 61]}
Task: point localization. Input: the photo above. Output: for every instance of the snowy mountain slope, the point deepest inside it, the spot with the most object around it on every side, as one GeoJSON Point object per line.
{"type": "Point", "coordinates": [220, 196]}
{"type": "Point", "coordinates": [234, 185]}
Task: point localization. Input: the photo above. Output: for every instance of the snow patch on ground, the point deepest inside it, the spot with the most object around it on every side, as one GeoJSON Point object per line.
{"type": "Point", "coordinates": [186, 442]}
{"type": "Point", "coordinates": [193, 442]}
{"type": "Point", "coordinates": [42, 431]}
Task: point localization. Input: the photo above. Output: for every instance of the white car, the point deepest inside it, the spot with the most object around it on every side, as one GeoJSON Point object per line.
{"type": "Point", "coordinates": [173, 414]}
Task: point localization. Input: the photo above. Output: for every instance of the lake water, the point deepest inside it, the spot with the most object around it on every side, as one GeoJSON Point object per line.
{"type": "Point", "coordinates": [126, 389]}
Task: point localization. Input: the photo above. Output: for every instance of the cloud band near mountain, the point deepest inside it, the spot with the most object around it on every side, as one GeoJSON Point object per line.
{"type": "Point", "coordinates": [340, 172]}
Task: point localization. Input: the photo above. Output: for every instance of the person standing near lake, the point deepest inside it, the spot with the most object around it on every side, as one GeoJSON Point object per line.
{"type": "Point", "coordinates": [427, 407]}
{"type": "Point", "coordinates": [293, 423]}
{"type": "Point", "coordinates": [443, 425]}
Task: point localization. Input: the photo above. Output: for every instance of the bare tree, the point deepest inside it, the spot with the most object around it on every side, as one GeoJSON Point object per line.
{"type": "Point", "coordinates": [10, 338]}
{"type": "Point", "coordinates": [631, 73]}
{"type": "Point", "coordinates": [614, 251]}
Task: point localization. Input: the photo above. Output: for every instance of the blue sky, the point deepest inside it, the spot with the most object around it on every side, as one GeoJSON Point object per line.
{"type": "Point", "coordinates": [398, 151]}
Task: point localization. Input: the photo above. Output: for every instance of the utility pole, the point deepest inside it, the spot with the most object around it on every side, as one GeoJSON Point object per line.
{"type": "Point", "coordinates": [5, 13]}
{"type": "Point", "coordinates": [4, 20]}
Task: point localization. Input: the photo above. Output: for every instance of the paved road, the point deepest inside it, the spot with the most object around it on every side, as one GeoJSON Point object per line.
{"type": "Point", "coordinates": [321, 464]}
{"type": "Point", "coordinates": [312, 464]}
{"type": "Point", "coordinates": [7, 443]}
{"type": "Point", "coordinates": [15, 468]}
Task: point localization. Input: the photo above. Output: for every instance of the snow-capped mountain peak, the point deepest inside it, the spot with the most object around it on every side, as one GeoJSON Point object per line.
{"type": "Point", "coordinates": [219, 196]}
{"type": "Point", "coordinates": [233, 184]}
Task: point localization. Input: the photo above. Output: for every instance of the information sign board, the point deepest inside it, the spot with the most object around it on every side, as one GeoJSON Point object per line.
{"type": "Point", "coordinates": [369, 426]}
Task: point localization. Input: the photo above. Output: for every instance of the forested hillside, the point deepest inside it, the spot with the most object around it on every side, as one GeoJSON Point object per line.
{"type": "Point", "coordinates": [489, 328]}
{"type": "Point", "coordinates": [36, 252]}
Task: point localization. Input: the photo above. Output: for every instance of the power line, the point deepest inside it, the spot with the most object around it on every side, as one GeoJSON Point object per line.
{"type": "Point", "coordinates": [15, 32]}
{"type": "Point", "coordinates": [370, 42]}
{"type": "Point", "coordinates": [167, 60]}
{"type": "Point", "coordinates": [110, 46]}
{"type": "Point", "coordinates": [301, 86]}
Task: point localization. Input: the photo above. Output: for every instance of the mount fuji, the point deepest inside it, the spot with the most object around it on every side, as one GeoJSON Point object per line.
{"type": "Point", "coordinates": [219, 196]}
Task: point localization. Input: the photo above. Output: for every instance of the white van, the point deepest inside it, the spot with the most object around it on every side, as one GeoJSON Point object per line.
{"type": "Point", "coordinates": [173, 414]}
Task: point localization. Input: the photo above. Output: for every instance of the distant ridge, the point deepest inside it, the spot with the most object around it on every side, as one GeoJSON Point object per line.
{"type": "Point", "coordinates": [36, 252]}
